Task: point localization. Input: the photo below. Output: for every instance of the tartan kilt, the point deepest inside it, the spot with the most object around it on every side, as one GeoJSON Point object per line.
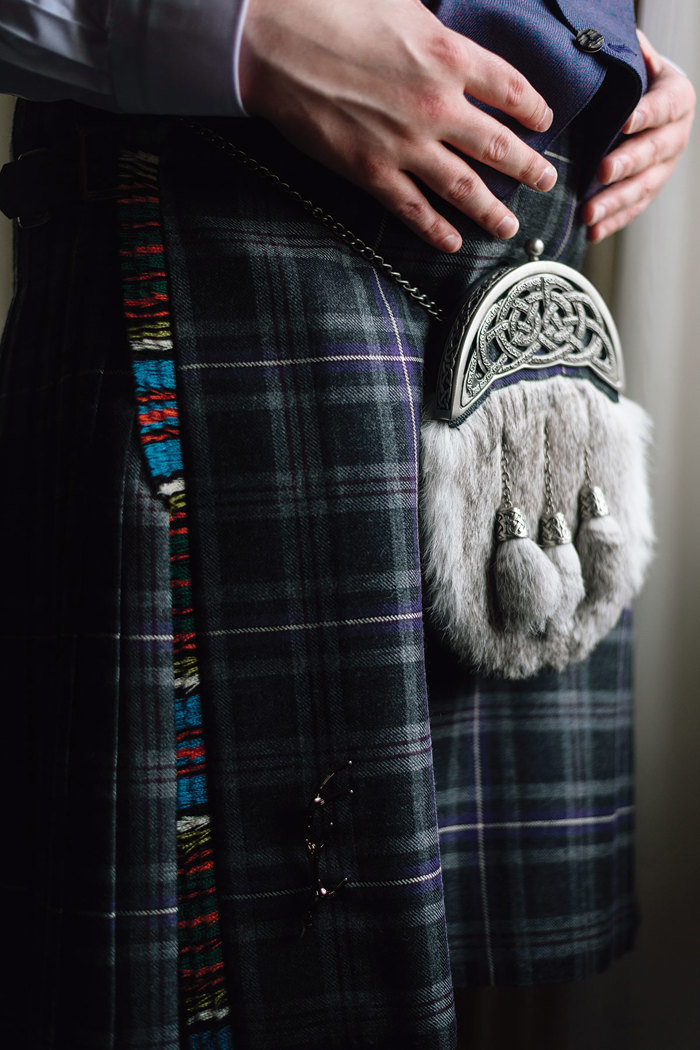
{"type": "Point", "coordinates": [488, 838]}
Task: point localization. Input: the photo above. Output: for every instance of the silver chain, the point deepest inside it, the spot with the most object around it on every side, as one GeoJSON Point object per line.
{"type": "Point", "coordinates": [334, 225]}
{"type": "Point", "coordinates": [506, 494]}
{"type": "Point", "coordinates": [587, 468]}
{"type": "Point", "coordinates": [548, 472]}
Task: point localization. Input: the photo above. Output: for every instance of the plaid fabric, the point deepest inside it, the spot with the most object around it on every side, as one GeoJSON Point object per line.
{"type": "Point", "coordinates": [299, 373]}
{"type": "Point", "coordinates": [536, 815]}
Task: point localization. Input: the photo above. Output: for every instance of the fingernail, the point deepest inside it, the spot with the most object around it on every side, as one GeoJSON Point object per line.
{"type": "Point", "coordinates": [615, 171]}
{"type": "Point", "coordinates": [507, 227]}
{"type": "Point", "coordinates": [546, 120]}
{"type": "Point", "coordinates": [547, 179]}
{"type": "Point", "coordinates": [636, 121]}
{"type": "Point", "coordinates": [451, 243]}
{"type": "Point", "coordinates": [597, 214]}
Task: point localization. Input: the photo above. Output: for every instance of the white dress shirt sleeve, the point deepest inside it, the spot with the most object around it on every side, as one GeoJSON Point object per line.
{"type": "Point", "coordinates": [136, 56]}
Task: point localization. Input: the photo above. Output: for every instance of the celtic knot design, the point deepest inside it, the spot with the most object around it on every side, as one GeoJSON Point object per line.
{"type": "Point", "coordinates": [554, 530]}
{"type": "Point", "coordinates": [543, 320]}
{"type": "Point", "coordinates": [511, 524]}
{"type": "Point", "coordinates": [462, 322]}
{"type": "Point", "coordinates": [527, 318]}
{"type": "Point", "coordinates": [592, 503]}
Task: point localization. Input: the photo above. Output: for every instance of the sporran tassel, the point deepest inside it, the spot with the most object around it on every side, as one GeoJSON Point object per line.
{"type": "Point", "coordinates": [555, 539]}
{"type": "Point", "coordinates": [528, 586]}
{"type": "Point", "coordinates": [601, 545]}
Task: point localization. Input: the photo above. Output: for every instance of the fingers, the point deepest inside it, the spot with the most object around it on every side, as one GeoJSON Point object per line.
{"type": "Point", "coordinates": [485, 139]}
{"type": "Point", "coordinates": [613, 208]}
{"type": "Point", "coordinates": [455, 182]}
{"type": "Point", "coordinates": [671, 98]}
{"type": "Point", "coordinates": [617, 222]}
{"type": "Point", "coordinates": [401, 196]}
{"type": "Point", "coordinates": [494, 81]}
{"type": "Point", "coordinates": [658, 130]}
{"type": "Point", "coordinates": [644, 151]}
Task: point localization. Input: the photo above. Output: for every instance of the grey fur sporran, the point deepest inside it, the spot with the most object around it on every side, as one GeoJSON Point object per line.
{"type": "Point", "coordinates": [535, 513]}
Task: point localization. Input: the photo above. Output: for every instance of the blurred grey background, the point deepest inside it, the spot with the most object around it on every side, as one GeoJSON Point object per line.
{"type": "Point", "coordinates": [651, 273]}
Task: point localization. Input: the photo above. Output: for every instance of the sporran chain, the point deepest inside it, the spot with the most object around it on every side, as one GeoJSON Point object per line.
{"type": "Point", "coordinates": [549, 493]}
{"type": "Point", "coordinates": [356, 243]}
{"type": "Point", "coordinates": [506, 495]}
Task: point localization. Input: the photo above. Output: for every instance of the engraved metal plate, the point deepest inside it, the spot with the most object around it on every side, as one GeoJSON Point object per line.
{"type": "Point", "coordinates": [526, 318]}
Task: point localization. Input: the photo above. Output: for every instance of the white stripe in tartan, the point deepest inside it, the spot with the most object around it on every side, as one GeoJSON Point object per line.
{"type": "Point", "coordinates": [398, 882]}
{"type": "Point", "coordinates": [268, 628]}
{"type": "Point", "coordinates": [112, 636]}
{"type": "Point", "coordinates": [479, 790]}
{"type": "Point", "coordinates": [119, 913]}
{"type": "Point", "coordinates": [564, 822]}
{"type": "Point", "coordinates": [280, 362]}
{"type": "Point", "coordinates": [207, 1015]}
{"type": "Point", "coordinates": [263, 895]}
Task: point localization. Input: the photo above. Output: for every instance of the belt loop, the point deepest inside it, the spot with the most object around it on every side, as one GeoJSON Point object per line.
{"type": "Point", "coordinates": [79, 169]}
{"type": "Point", "coordinates": [23, 184]}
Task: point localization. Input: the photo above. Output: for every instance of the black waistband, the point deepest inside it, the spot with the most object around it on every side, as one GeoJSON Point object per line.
{"type": "Point", "coordinates": [65, 156]}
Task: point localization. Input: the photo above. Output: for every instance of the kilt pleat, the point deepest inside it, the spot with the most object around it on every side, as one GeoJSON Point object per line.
{"type": "Point", "coordinates": [456, 800]}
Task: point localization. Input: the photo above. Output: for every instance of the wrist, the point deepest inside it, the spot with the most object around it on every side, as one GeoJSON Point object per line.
{"type": "Point", "coordinates": [238, 55]}
{"type": "Point", "coordinates": [257, 46]}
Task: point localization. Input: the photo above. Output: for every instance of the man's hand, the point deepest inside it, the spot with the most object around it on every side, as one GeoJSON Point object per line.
{"type": "Point", "coordinates": [374, 89]}
{"type": "Point", "coordinates": [637, 170]}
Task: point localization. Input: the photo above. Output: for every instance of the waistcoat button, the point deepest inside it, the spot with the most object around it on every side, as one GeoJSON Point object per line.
{"type": "Point", "coordinates": [590, 41]}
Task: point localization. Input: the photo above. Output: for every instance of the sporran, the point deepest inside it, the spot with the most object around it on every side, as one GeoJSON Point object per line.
{"type": "Point", "coordinates": [535, 511]}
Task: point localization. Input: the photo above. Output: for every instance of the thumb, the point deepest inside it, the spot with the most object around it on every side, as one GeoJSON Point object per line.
{"type": "Point", "coordinates": [652, 58]}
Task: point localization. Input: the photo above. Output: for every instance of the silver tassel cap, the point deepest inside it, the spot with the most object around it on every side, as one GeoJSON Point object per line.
{"type": "Point", "coordinates": [511, 524]}
{"type": "Point", "coordinates": [554, 530]}
{"type": "Point", "coordinates": [592, 503]}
